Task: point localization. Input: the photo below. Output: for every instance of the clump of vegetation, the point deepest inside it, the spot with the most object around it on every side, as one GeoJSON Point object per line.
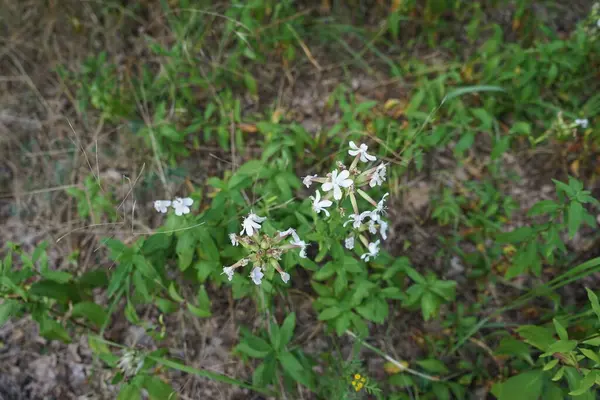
{"type": "Point", "coordinates": [323, 212]}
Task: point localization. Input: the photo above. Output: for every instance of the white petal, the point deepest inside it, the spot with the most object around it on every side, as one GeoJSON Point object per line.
{"type": "Point", "coordinates": [327, 186]}
{"type": "Point", "coordinates": [343, 175]}
{"type": "Point", "coordinates": [325, 203]}
{"type": "Point", "coordinates": [337, 192]}
{"type": "Point", "coordinates": [285, 277]}
{"type": "Point", "coordinates": [188, 201]}
{"type": "Point", "coordinates": [353, 145]}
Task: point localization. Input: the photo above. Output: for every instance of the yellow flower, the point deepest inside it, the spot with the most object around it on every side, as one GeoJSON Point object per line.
{"type": "Point", "coordinates": [357, 376]}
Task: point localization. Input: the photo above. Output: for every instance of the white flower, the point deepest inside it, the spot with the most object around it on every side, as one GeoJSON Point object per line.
{"type": "Point", "coordinates": [376, 179]}
{"type": "Point", "coordinates": [373, 251]}
{"type": "Point", "coordinates": [285, 277]}
{"type": "Point", "coordinates": [299, 243]}
{"type": "Point", "coordinates": [229, 272]}
{"type": "Point", "coordinates": [320, 205]}
{"type": "Point", "coordinates": [357, 219]}
{"type": "Point", "coordinates": [383, 227]}
{"type": "Point", "coordinates": [372, 227]}
{"type": "Point", "coordinates": [337, 182]}
{"type": "Point", "coordinates": [349, 242]}
{"type": "Point", "coordinates": [182, 206]}
{"type": "Point", "coordinates": [362, 150]}
{"type": "Point", "coordinates": [234, 239]}
{"type": "Point", "coordinates": [256, 275]}
{"type": "Point", "coordinates": [130, 363]}
{"type": "Point", "coordinates": [380, 209]}
{"type": "Point", "coordinates": [162, 205]}
{"type": "Point", "coordinates": [308, 180]}
{"type": "Point", "coordinates": [251, 224]}
{"type": "Point", "coordinates": [582, 123]}
{"type": "Point", "coordinates": [290, 231]}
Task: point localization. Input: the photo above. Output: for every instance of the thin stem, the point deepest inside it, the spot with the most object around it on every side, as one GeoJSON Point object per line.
{"type": "Point", "coordinates": [396, 363]}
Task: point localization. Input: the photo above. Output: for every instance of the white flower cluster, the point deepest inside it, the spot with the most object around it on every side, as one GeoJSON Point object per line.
{"type": "Point", "coordinates": [130, 363]}
{"type": "Point", "coordinates": [343, 183]}
{"type": "Point", "coordinates": [181, 206]}
{"type": "Point", "coordinates": [583, 123]}
{"type": "Point", "coordinates": [264, 251]}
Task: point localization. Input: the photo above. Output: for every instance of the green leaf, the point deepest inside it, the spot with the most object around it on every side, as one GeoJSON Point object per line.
{"type": "Point", "coordinates": [90, 311]}
{"type": "Point", "coordinates": [414, 275]}
{"type": "Point", "coordinates": [560, 330]}
{"type": "Point", "coordinates": [325, 272]}
{"type": "Point", "coordinates": [429, 305]}
{"type": "Point", "coordinates": [62, 292]}
{"type": "Point", "coordinates": [130, 391]}
{"type": "Point", "coordinates": [536, 336]}
{"type": "Point", "coordinates": [287, 329]}
{"type": "Point", "coordinates": [204, 373]}
{"type": "Point", "coordinates": [158, 389]}
{"type": "Point", "coordinates": [575, 217]}
{"type": "Point", "coordinates": [516, 236]}
{"type": "Point", "coordinates": [562, 346]}
{"type": "Point", "coordinates": [119, 278]}
{"type": "Point", "coordinates": [594, 300]}
{"type": "Point", "coordinates": [51, 329]}
{"type": "Point", "coordinates": [57, 276]}
{"type": "Point", "coordinates": [186, 244]}
{"type": "Point", "coordinates": [592, 355]}
{"type": "Point", "coordinates": [471, 89]}
{"type": "Point", "coordinates": [543, 207]}
{"type": "Point", "coordinates": [525, 386]}
{"type": "Point", "coordinates": [329, 313]}
{"type": "Point", "coordinates": [586, 383]}
{"type": "Point", "coordinates": [293, 367]}
{"type": "Point", "coordinates": [7, 309]}
{"type": "Point", "coordinates": [433, 365]}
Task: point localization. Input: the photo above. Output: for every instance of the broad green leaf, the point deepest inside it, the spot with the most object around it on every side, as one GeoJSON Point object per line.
{"type": "Point", "coordinates": [562, 346]}
{"type": "Point", "coordinates": [329, 313]}
{"type": "Point", "coordinates": [90, 311]}
{"type": "Point", "coordinates": [159, 389]}
{"type": "Point", "coordinates": [62, 292]}
{"type": "Point", "coordinates": [594, 300]}
{"type": "Point", "coordinates": [7, 309]}
{"type": "Point", "coordinates": [429, 305]}
{"type": "Point", "coordinates": [575, 217]}
{"type": "Point", "coordinates": [57, 276]}
{"type": "Point", "coordinates": [525, 386]}
{"type": "Point", "coordinates": [586, 383]}
{"type": "Point", "coordinates": [119, 278]}
{"type": "Point", "coordinates": [592, 355]}
{"type": "Point", "coordinates": [433, 365]}
{"type": "Point", "coordinates": [536, 336]}
{"type": "Point", "coordinates": [287, 329]}
{"type": "Point", "coordinates": [130, 391]}
{"type": "Point", "coordinates": [543, 207]}
{"type": "Point", "coordinates": [560, 330]}
{"type": "Point", "coordinates": [516, 236]}
{"type": "Point", "coordinates": [293, 367]}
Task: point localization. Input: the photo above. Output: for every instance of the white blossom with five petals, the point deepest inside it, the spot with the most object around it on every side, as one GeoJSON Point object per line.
{"type": "Point", "coordinates": [229, 272]}
{"type": "Point", "coordinates": [251, 224]}
{"type": "Point", "coordinates": [320, 205]}
{"type": "Point", "coordinates": [349, 242]}
{"type": "Point", "coordinates": [285, 277]}
{"type": "Point", "coordinates": [337, 182]}
{"type": "Point", "coordinates": [308, 180]}
{"type": "Point", "coordinates": [373, 251]}
{"type": "Point", "coordinates": [362, 150]}
{"type": "Point", "coordinates": [162, 205]}
{"type": "Point", "coordinates": [256, 275]}
{"type": "Point", "coordinates": [182, 206]}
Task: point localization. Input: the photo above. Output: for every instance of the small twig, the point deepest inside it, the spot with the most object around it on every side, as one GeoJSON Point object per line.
{"type": "Point", "coordinates": [393, 361]}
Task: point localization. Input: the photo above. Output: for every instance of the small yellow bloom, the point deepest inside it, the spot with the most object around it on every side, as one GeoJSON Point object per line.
{"type": "Point", "coordinates": [357, 376]}
{"type": "Point", "coordinates": [363, 379]}
{"type": "Point", "coordinates": [359, 386]}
